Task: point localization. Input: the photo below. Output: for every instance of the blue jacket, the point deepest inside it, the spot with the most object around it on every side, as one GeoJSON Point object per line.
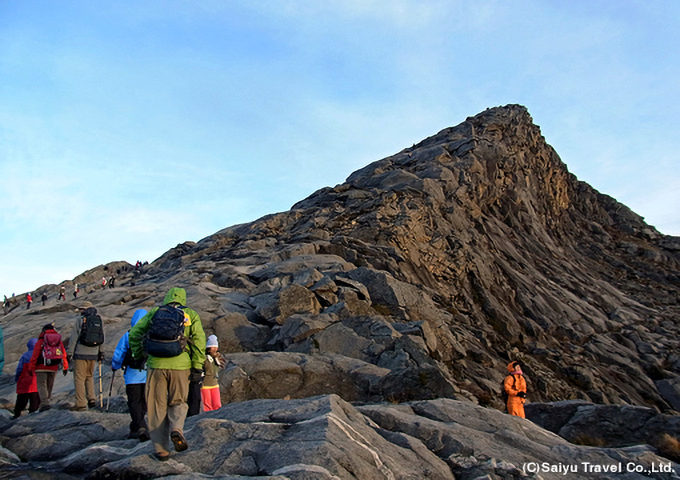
{"type": "Point", "coordinates": [25, 358]}
{"type": "Point", "coordinates": [132, 375]}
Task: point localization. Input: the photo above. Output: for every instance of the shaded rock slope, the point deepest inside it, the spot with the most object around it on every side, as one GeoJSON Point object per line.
{"type": "Point", "coordinates": [420, 278]}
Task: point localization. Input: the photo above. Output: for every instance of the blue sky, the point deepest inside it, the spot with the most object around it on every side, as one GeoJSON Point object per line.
{"type": "Point", "coordinates": [128, 127]}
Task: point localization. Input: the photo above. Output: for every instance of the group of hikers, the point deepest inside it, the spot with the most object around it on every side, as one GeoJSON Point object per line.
{"type": "Point", "coordinates": [170, 369]}
{"type": "Point", "coordinates": [9, 303]}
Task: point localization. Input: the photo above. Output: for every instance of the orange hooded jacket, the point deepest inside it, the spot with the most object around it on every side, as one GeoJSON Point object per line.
{"type": "Point", "coordinates": [513, 384]}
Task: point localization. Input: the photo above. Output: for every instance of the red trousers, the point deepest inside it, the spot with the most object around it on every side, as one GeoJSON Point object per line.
{"type": "Point", "coordinates": [211, 398]}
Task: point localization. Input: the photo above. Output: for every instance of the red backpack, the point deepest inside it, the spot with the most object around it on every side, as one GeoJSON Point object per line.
{"type": "Point", "coordinates": [52, 349]}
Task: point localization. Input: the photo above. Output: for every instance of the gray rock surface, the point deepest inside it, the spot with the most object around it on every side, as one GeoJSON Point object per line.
{"type": "Point", "coordinates": [320, 437]}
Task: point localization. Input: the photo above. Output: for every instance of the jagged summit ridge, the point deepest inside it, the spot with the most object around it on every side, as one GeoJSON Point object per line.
{"type": "Point", "coordinates": [487, 224]}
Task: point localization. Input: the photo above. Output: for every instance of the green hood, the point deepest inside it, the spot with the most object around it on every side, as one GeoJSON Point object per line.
{"type": "Point", "coordinates": [178, 295]}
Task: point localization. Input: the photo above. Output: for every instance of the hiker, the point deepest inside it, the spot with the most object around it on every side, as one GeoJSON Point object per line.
{"type": "Point", "coordinates": [62, 293]}
{"type": "Point", "coordinates": [175, 345]}
{"type": "Point", "coordinates": [135, 381]}
{"type": "Point", "coordinates": [516, 387]}
{"type": "Point", "coordinates": [2, 351]}
{"type": "Point", "coordinates": [29, 300]}
{"type": "Point", "coordinates": [103, 282]}
{"type": "Point", "coordinates": [112, 282]}
{"type": "Point", "coordinates": [43, 298]}
{"type": "Point", "coordinates": [27, 386]}
{"type": "Point", "coordinates": [87, 337]}
{"type": "Point", "coordinates": [210, 391]}
{"type": "Point", "coordinates": [48, 354]}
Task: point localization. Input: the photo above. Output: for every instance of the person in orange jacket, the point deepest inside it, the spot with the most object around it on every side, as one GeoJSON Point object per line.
{"type": "Point", "coordinates": [48, 354]}
{"type": "Point", "coordinates": [516, 387]}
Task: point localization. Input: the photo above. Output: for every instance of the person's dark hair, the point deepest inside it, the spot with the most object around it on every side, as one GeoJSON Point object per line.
{"type": "Point", "coordinates": [49, 326]}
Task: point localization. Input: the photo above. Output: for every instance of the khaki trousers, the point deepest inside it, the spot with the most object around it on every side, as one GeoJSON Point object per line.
{"type": "Point", "coordinates": [45, 381]}
{"type": "Point", "coordinates": [83, 378]}
{"type": "Point", "coordinates": [166, 402]}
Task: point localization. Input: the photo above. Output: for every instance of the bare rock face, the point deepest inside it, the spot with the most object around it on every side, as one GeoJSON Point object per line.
{"type": "Point", "coordinates": [419, 278]}
{"type": "Point", "coordinates": [313, 438]}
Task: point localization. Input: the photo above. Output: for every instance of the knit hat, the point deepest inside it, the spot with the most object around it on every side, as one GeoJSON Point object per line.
{"type": "Point", "coordinates": [212, 342]}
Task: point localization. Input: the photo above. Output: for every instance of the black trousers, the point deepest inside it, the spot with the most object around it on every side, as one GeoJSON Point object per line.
{"type": "Point", "coordinates": [195, 401]}
{"type": "Point", "coordinates": [136, 405]}
{"type": "Point", "coordinates": [23, 399]}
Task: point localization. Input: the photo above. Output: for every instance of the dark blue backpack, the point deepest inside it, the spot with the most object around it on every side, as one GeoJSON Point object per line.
{"type": "Point", "coordinates": [165, 337]}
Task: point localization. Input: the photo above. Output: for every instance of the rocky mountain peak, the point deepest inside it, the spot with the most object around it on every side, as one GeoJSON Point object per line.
{"type": "Point", "coordinates": [421, 276]}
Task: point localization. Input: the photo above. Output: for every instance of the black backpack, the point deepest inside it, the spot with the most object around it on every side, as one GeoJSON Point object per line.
{"type": "Point", "coordinates": [129, 362]}
{"type": "Point", "coordinates": [165, 337]}
{"type": "Point", "coordinates": [504, 394]}
{"type": "Point", "coordinates": [92, 330]}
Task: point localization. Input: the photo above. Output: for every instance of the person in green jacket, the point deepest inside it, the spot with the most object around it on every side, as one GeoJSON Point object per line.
{"type": "Point", "coordinates": [167, 384]}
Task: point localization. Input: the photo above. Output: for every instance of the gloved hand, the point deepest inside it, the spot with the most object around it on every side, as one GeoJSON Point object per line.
{"type": "Point", "coordinates": [100, 356]}
{"type": "Point", "coordinates": [65, 371]}
{"type": "Point", "coordinates": [196, 375]}
{"type": "Point", "coordinates": [522, 395]}
{"type": "Point", "coordinates": [68, 358]}
{"type": "Point", "coordinates": [113, 369]}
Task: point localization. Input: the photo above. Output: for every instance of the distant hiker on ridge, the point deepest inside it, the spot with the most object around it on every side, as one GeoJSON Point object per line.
{"type": "Point", "coordinates": [29, 300]}
{"type": "Point", "coordinates": [135, 381]}
{"type": "Point", "coordinates": [87, 337]}
{"type": "Point", "coordinates": [48, 354]}
{"type": "Point", "coordinates": [62, 293]}
{"type": "Point", "coordinates": [43, 298]}
{"type": "Point", "coordinates": [175, 345]}
{"type": "Point", "coordinates": [516, 387]}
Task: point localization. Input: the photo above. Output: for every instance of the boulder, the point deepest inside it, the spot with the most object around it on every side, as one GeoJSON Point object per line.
{"type": "Point", "coordinates": [669, 389]}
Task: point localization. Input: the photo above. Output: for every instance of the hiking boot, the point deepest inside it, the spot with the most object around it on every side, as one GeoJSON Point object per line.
{"type": "Point", "coordinates": [45, 407]}
{"type": "Point", "coordinates": [143, 435]}
{"type": "Point", "coordinates": [161, 457]}
{"type": "Point", "coordinates": [179, 441]}
{"type": "Point", "coordinates": [78, 409]}
{"type": "Point", "coordinates": [91, 404]}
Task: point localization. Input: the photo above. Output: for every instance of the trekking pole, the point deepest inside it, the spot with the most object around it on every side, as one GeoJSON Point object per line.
{"type": "Point", "coordinates": [108, 400]}
{"type": "Point", "coordinates": [101, 394]}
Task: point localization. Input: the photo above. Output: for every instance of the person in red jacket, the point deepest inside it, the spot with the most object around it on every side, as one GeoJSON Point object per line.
{"type": "Point", "coordinates": [48, 354]}
{"type": "Point", "coordinates": [27, 387]}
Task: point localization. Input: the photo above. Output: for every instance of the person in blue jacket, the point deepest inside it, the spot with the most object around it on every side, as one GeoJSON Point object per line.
{"type": "Point", "coordinates": [135, 382]}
